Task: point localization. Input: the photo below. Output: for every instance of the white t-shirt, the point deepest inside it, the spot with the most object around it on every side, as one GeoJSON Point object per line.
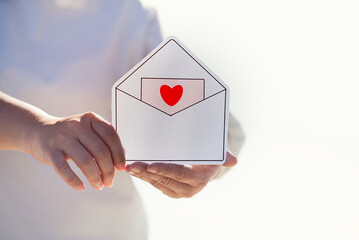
{"type": "Point", "coordinates": [63, 56]}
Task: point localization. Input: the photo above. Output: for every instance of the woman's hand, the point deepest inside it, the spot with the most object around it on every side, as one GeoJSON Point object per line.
{"type": "Point", "coordinates": [88, 140]}
{"type": "Point", "coordinates": [178, 181]}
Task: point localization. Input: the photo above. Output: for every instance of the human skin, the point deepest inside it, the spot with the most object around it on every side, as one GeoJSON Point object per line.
{"type": "Point", "coordinates": [94, 146]}
{"type": "Point", "coordinates": [87, 139]}
{"type": "Point", "coordinates": [179, 181]}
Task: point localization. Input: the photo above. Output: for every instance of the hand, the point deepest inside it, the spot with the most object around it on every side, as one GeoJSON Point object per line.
{"type": "Point", "coordinates": [88, 140]}
{"type": "Point", "coordinates": [178, 181]}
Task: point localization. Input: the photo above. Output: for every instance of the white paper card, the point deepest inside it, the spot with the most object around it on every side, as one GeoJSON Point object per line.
{"type": "Point", "coordinates": [171, 108]}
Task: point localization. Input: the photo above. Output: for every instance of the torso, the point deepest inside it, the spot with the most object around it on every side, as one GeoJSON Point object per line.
{"type": "Point", "coordinates": [64, 60]}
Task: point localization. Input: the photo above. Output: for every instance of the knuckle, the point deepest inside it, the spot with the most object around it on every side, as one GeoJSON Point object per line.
{"type": "Point", "coordinates": [61, 137]}
{"type": "Point", "coordinates": [59, 131]}
{"type": "Point", "coordinates": [86, 118]}
{"type": "Point", "coordinates": [163, 171]}
{"type": "Point", "coordinates": [110, 133]}
{"type": "Point", "coordinates": [154, 182]}
{"type": "Point", "coordinates": [70, 178]}
{"type": "Point", "coordinates": [72, 124]}
{"type": "Point", "coordinates": [102, 151]}
{"type": "Point", "coordinates": [88, 115]}
{"type": "Point", "coordinates": [165, 180]}
{"type": "Point", "coordinates": [180, 173]}
{"type": "Point", "coordinates": [59, 167]}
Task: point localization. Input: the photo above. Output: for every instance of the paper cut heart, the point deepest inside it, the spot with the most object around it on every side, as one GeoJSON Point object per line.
{"type": "Point", "coordinates": [171, 96]}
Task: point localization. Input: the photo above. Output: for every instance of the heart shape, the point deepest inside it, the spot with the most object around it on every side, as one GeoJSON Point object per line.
{"type": "Point", "coordinates": [171, 96]}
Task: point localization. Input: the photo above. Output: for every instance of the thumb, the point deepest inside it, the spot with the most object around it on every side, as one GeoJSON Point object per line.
{"type": "Point", "coordinates": [231, 160]}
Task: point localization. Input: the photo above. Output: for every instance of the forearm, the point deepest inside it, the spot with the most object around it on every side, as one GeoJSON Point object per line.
{"type": "Point", "coordinates": [88, 140]}
{"type": "Point", "coordinates": [18, 122]}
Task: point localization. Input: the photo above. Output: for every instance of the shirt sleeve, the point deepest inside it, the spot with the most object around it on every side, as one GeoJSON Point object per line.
{"type": "Point", "coordinates": [235, 140]}
{"type": "Point", "coordinates": [153, 34]}
{"type": "Point", "coordinates": [235, 136]}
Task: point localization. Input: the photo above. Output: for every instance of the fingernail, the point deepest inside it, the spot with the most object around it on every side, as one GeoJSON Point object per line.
{"type": "Point", "coordinates": [81, 188]}
{"type": "Point", "coordinates": [152, 169]}
{"type": "Point", "coordinates": [121, 166]}
{"type": "Point", "coordinates": [110, 184]}
{"type": "Point", "coordinates": [134, 170]}
{"type": "Point", "coordinates": [100, 186]}
{"type": "Point", "coordinates": [113, 180]}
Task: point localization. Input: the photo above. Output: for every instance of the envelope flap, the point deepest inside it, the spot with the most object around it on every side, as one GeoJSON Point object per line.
{"type": "Point", "coordinates": [171, 59]}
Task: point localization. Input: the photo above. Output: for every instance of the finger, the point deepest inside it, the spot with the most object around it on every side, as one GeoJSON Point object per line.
{"type": "Point", "coordinates": [178, 172]}
{"type": "Point", "coordinates": [85, 162]}
{"type": "Point", "coordinates": [178, 187]}
{"type": "Point", "coordinates": [231, 160]}
{"type": "Point", "coordinates": [160, 184]}
{"type": "Point", "coordinates": [63, 169]}
{"type": "Point", "coordinates": [109, 135]}
{"type": "Point", "coordinates": [101, 153]}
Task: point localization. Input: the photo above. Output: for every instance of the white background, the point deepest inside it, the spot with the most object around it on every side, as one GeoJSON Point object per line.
{"type": "Point", "coordinates": [293, 70]}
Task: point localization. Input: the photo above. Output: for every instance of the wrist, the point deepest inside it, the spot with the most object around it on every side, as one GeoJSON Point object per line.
{"type": "Point", "coordinates": [33, 132]}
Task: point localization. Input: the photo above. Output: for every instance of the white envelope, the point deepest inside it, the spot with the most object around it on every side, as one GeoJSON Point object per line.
{"type": "Point", "coordinates": [192, 133]}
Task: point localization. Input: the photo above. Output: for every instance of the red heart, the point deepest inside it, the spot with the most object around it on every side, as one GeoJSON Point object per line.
{"type": "Point", "coordinates": [171, 96]}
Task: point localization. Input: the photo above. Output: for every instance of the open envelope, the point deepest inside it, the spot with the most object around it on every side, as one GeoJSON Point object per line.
{"type": "Point", "coordinates": [171, 108]}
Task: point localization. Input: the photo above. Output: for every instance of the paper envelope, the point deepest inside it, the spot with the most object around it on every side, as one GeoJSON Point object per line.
{"type": "Point", "coordinates": [171, 108]}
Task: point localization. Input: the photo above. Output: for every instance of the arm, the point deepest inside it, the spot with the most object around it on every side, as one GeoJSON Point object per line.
{"type": "Point", "coordinates": [178, 181]}
{"type": "Point", "coordinates": [18, 121]}
{"type": "Point", "coordinates": [87, 139]}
